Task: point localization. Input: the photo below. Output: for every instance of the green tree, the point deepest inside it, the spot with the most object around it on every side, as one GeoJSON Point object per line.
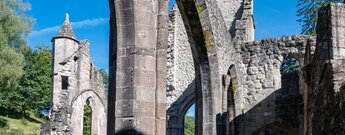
{"type": "Point", "coordinates": [87, 119]}
{"type": "Point", "coordinates": [189, 125]}
{"type": "Point", "coordinates": [308, 12]}
{"type": "Point", "coordinates": [14, 28]}
{"type": "Point", "coordinates": [289, 65]}
{"type": "Point", "coordinates": [34, 88]}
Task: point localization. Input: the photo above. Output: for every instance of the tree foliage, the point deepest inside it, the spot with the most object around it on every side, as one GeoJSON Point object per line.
{"type": "Point", "coordinates": [308, 12]}
{"type": "Point", "coordinates": [14, 28]}
{"type": "Point", "coordinates": [87, 119]}
{"type": "Point", "coordinates": [189, 125]}
{"type": "Point", "coordinates": [289, 65]}
{"type": "Point", "coordinates": [33, 92]}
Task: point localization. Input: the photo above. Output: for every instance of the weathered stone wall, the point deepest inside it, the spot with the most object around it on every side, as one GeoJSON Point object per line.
{"type": "Point", "coordinates": [209, 50]}
{"type": "Point", "coordinates": [181, 71]}
{"type": "Point", "coordinates": [73, 75]}
{"type": "Point", "coordinates": [181, 74]}
{"type": "Point", "coordinates": [216, 20]}
{"type": "Point", "coordinates": [260, 97]}
{"type": "Point", "coordinates": [203, 41]}
{"type": "Point", "coordinates": [244, 28]}
{"type": "Point", "coordinates": [325, 74]}
{"type": "Point", "coordinates": [231, 10]}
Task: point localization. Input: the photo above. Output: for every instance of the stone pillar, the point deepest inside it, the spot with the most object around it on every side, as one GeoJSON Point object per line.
{"type": "Point", "coordinates": [161, 67]}
{"type": "Point", "coordinates": [138, 94]}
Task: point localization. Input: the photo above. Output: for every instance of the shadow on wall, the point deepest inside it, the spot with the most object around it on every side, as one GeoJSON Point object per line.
{"type": "Point", "coordinates": [128, 132]}
{"type": "Point", "coordinates": [280, 113]}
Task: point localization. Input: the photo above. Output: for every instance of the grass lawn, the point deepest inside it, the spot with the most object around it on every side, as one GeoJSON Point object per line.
{"type": "Point", "coordinates": [29, 126]}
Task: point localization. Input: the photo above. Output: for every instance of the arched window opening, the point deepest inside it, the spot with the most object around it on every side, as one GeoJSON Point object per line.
{"type": "Point", "coordinates": [189, 121]}
{"type": "Point", "coordinates": [87, 119]}
{"type": "Point", "coordinates": [91, 71]}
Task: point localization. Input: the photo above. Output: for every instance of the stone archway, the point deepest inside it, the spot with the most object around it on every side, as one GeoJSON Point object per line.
{"type": "Point", "coordinates": [99, 119]}
{"type": "Point", "coordinates": [177, 112]}
{"type": "Point", "coordinates": [205, 48]}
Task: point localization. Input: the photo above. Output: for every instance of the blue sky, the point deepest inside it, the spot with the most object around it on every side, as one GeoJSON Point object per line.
{"type": "Point", "coordinates": [90, 20]}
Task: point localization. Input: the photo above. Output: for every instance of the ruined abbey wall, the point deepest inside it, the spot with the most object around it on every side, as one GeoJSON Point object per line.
{"type": "Point", "coordinates": [262, 95]}
{"type": "Point", "coordinates": [267, 96]}
{"type": "Point", "coordinates": [180, 63]}
{"type": "Point", "coordinates": [76, 81]}
{"type": "Point", "coordinates": [325, 74]}
{"type": "Point", "coordinates": [212, 61]}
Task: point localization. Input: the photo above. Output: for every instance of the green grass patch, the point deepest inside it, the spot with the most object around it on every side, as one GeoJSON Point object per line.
{"type": "Point", "coordinates": [20, 126]}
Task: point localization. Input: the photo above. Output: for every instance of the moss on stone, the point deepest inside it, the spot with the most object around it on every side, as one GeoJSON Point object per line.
{"type": "Point", "coordinates": [207, 37]}
{"type": "Point", "coordinates": [200, 6]}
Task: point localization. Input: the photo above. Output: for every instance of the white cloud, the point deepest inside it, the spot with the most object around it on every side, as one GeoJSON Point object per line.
{"type": "Point", "coordinates": [75, 25]}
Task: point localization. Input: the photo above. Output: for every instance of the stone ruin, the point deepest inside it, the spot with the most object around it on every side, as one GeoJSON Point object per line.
{"type": "Point", "coordinates": [202, 52]}
{"type": "Point", "coordinates": [76, 82]}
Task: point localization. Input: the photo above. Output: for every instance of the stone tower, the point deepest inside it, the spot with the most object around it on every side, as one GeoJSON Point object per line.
{"type": "Point", "coordinates": [75, 82]}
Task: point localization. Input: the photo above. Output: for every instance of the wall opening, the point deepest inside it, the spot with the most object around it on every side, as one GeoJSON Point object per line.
{"type": "Point", "coordinates": [189, 121]}
{"type": "Point", "coordinates": [91, 70]}
{"type": "Point", "coordinates": [87, 118]}
{"type": "Point", "coordinates": [64, 82]}
{"type": "Point", "coordinates": [288, 99]}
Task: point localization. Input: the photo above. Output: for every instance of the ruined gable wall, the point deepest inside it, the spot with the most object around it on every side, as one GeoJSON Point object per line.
{"type": "Point", "coordinates": [244, 27]}
{"type": "Point", "coordinates": [259, 94]}
{"type": "Point", "coordinates": [231, 10]}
